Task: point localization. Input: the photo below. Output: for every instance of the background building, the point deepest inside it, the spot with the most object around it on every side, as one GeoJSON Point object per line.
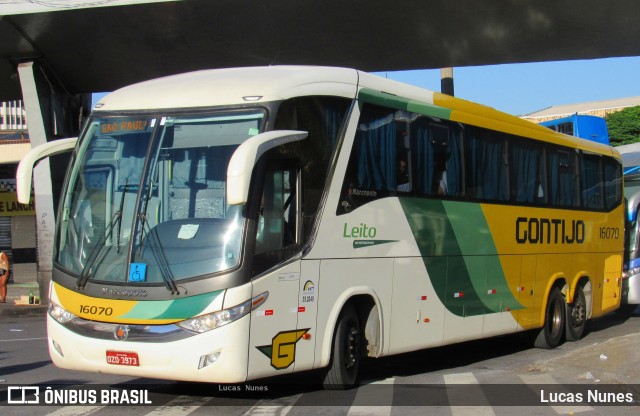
{"type": "Point", "coordinates": [592, 108]}
{"type": "Point", "coordinates": [13, 116]}
{"type": "Point", "coordinates": [17, 221]}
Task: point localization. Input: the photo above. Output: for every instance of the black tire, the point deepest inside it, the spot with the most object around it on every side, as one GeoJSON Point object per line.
{"type": "Point", "coordinates": [576, 316]}
{"type": "Point", "coordinates": [346, 353]}
{"type": "Point", "coordinates": [550, 336]}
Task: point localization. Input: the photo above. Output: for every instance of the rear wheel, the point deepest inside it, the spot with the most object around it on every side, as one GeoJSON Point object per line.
{"type": "Point", "coordinates": [346, 352]}
{"type": "Point", "coordinates": [550, 336]}
{"type": "Point", "coordinates": [576, 316]}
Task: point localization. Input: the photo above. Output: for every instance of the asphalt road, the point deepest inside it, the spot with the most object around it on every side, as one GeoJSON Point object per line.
{"type": "Point", "coordinates": [499, 376]}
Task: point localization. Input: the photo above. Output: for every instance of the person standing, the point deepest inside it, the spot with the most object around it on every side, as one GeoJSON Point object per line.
{"type": "Point", "coordinates": [4, 276]}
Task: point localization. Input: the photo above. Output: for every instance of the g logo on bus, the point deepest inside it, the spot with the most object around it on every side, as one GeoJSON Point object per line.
{"type": "Point", "coordinates": [282, 350]}
{"type": "Point", "coordinates": [121, 332]}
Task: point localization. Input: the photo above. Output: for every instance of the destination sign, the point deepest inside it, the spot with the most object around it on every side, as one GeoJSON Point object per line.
{"type": "Point", "coordinates": [123, 126]}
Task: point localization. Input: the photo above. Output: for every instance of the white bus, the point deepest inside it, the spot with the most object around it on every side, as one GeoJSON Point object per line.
{"type": "Point", "coordinates": [631, 277]}
{"type": "Point", "coordinates": [234, 224]}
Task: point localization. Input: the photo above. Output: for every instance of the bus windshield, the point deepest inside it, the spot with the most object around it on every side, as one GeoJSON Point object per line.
{"type": "Point", "coordinates": [146, 200]}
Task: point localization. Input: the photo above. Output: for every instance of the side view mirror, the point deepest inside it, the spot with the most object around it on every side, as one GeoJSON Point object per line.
{"type": "Point", "coordinates": [25, 168]}
{"type": "Point", "coordinates": [246, 156]}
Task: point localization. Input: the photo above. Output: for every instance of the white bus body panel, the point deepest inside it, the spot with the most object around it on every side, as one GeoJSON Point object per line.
{"type": "Point", "coordinates": [341, 279]}
{"type": "Point", "coordinates": [274, 345]}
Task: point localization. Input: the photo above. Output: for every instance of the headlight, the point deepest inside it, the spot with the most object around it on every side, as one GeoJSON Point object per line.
{"type": "Point", "coordinates": [60, 314]}
{"type": "Point", "coordinates": [217, 319]}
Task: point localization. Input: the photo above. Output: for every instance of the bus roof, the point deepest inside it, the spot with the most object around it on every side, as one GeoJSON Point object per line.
{"type": "Point", "coordinates": [232, 86]}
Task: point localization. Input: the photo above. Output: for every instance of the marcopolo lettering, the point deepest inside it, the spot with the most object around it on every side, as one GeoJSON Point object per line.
{"type": "Point", "coordinates": [124, 292]}
{"type": "Point", "coordinates": [549, 231]}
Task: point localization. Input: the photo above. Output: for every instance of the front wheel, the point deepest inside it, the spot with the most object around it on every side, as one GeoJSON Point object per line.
{"type": "Point", "coordinates": [550, 336]}
{"type": "Point", "coordinates": [576, 316]}
{"type": "Point", "coordinates": [346, 352]}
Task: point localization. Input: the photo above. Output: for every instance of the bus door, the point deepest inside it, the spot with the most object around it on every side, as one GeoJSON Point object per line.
{"type": "Point", "coordinates": [525, 291]}
{"type": "Point", "coordinates": [274, 326]}
{"type": "Point", "coordinates": [611, 282]}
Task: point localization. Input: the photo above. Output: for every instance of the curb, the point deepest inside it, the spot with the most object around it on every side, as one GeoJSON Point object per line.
{"type": "Point", "coordinates": [18, 311]}
{"type": "Point", "coordinates": [16, 291]}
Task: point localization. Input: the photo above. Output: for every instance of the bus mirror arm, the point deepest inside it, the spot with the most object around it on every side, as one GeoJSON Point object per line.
{"type": "Point", "coordinates": [28, 162]}
{"type": "Point", "coordinates": [247, 155]}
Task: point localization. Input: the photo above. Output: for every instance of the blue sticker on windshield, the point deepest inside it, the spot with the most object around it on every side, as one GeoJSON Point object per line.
{"type": "Point", "coordinates": [138, 272]}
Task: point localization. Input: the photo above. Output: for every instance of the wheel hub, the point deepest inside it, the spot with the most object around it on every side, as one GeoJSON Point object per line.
{"type": "Point", "coordinates": [353, 345]}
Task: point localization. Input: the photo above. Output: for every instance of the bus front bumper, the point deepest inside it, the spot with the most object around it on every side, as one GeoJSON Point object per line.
{"type": "Point", "coordinates": [218, 356]}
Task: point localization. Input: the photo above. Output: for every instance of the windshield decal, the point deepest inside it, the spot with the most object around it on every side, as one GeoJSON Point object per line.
{"type": "Point", "coordinates": [138, 272]}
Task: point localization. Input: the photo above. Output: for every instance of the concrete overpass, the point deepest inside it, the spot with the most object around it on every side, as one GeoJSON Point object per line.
{"type": "Point", "coordinates": [97, 48]}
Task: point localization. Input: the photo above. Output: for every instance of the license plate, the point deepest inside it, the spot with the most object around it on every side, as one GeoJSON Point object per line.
{"type": "Point", "coordinates": [123, 358]}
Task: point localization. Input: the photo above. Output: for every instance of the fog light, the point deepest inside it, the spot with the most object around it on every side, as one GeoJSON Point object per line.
{"type": "Point", "coordinates": [57, 347]}
{"type": "Point", "coordinates": [207, 360]}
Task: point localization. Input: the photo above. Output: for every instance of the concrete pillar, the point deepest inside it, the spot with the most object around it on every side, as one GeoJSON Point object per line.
{"type": "Point", "coordinates": [45, 222]}
{"type": "Point", "coordinates": [51, 113]}
{"type": "Point", "coordinates": [446, 81]}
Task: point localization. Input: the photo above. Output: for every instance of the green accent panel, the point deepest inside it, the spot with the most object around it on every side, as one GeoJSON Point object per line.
{"type": "Point", "coordinates": [437, 268]}
{"type": "Point", "coordinates": [182, 308]}
{"type": "Point", "coordinates": [148, 309]}
{"type": "Point", "coordinates": [400, 103]}
{"type": "Point", "coordinates": [431, 227]}
{"type": "Point", "coordinates": [503, 299]}
{"type": "Point", "coordinates": [459, 281]}
{"type": "Point", "coordinates": [429, 110]}
{"type": "Point", "coordinates": [189, 307]}
{"type": "Point", "coordinates": [474, 237]}
{"type": "Point", "coordinates": [459, 253]}
{"type": "Point", "coordinates": [470, 227]}
{"type": "Point", "coordinates": [266, 350]}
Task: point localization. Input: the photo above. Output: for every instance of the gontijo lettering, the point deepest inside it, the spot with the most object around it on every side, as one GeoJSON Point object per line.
{"type": "Point", "coordinates": [549, 231]}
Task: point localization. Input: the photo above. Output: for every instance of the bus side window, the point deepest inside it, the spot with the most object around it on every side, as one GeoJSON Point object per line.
{"type": "Point", "coordinates": [612, 179]}
{"type": "Point", "coordinates": [528, 172]}
{"type": "Point", "coordinates": [563, 189]}
{"type": "Point", "coordinates": [591, 179]}
{"type": "Point", "coordinates": [439, 161]}
{"type": "Point", "coordinates": [380, 160]}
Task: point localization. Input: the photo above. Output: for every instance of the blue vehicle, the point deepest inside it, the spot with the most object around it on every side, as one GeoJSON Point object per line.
{"type": "Point", "coordinates": [587, 127]}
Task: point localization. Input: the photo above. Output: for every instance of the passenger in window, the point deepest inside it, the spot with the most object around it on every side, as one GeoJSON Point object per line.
{"type": "Point", "coordinates": [440, 175]}
{"type": "Point", "coordinates": [441, 181]}
{"type": "Point", "coordinates": [402, 177]}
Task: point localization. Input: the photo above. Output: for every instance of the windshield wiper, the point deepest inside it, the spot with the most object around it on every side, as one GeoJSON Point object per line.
{"type": "Point", "coordinates": [97, 249]}
{"type": "Point", "coordinates": [160, 256]}
{"type": "Point", "coordinates": [158, 253]}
